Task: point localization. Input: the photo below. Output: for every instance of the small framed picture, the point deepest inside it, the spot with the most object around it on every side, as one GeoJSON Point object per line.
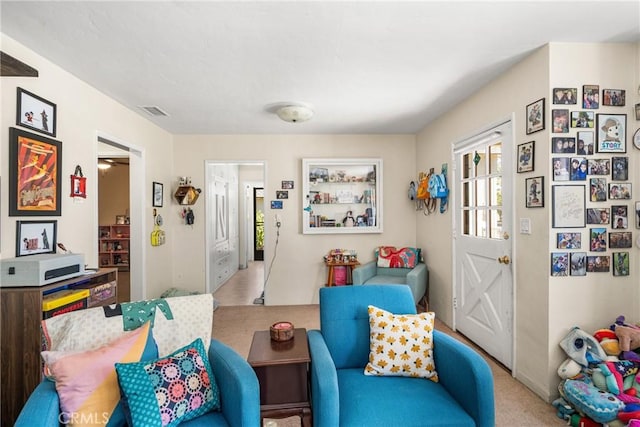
{"type": "Point", "coordinates": [620, 240]}
{"type": "Point", "coordinates": [565, 95]}
{"type": "Point", "coordinates": [36, 113]}
{"type": "Point", "coordinates": [282, 194]}
{"type": "Point", "coordinates": [560, 121]}
{"type": "Point", "coordinates": [121, 219]}
{"type": "Point", "coordinates": [598, 239]}
{"type": "Point", "coordinates": [579, 166]}
{"type": "Point", "coordinates": [612, 136]}
{"type": "Point", "coordinates": [36, 237]}
{"type": "Point", "coordinates": [591, 97]}
{"type": "Point", "coordinates": [619, 217]}
{"type": "Point", "coordinates": [637, 215]}
{"type": "Point", "coordinates": [563, 144]}
{"type": "Point", "coordinates": [599, 167]}
{"type": "Point", "coordinates": [156, 191]}
{"type": "Point", "coordinates": [598, 189]}
{"type": "Point", "coordinates": [287, 185]}
{"type": "Point", "coordinates": [621, 263]}
{"type": "Point", "coordinates": [582, 119]}
{"type": "Point", "coordinates": [526, 157]}
{"type": "Point", "coordinates": [619, 191]}
{"type": "Point", "coordinates": [598, 264]}
{"type": "Point", "coordinates": [561, 166]}
{"type": "Point", "coordinates": [559, 264]}
{"type": "Point", "coordinates": [578, 262]}
{"type": "Point", "coordinates": [585, 145]}
{"type": "Point", "coordinates": [569, 240]}
{"type": "Point", "coordinates": [535, 192]}
{"type": "Point", "coordinates": [613, 97]}
{"type": "Point", "coordinates": [276, 204]}
{"type": "Point", "coordinates": [535, 116]}
{"type": "Point", "coordinates": [568, 206]}
{"type": "Point", "coordinates": [598, 216]}
{"type": "Point", "coordinates": [619, 168]}
{"type": "Point", "coordinates": [637, 111]}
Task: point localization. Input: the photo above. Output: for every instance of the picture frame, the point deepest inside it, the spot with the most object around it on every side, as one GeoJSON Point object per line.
{"type": "Point", "coordinates": [526, 157]}
{"type": "Point", "coordinates": [612, 133]}
{"type": "Point", "coordinates": [598, 264]}
{"type": "Point", "coordinates": [613, 97]}
{"type": "Point", "coordinates": [560, 121]}
{"type": "Point", "coordinates": [619, 217]}
{"type": "Point", "coordinates": [599, 216]}
{"type": "Point", "coordinates": [619, 190]}
{"type": "Point", "coordinates": [599, 167]}
{"type": "Point", "coordinates": [563, 144]}
{"type": "Point", "coordinates": [534, 188]}
{"type": "Point", "coordinates": [585, 145]}
{"type": "Point", "coordinates": [78, 186]}
{"type": "Point", "coordinates": [636, 139]}
{"type": "Point", "coordinates": [637, 108]}
{"type": "Point", "coordinates": [534, 116]}
{"type": "Point", "coordinates": [565, 95]}
{"type": "Point", "coordinates": [36, 237]}
{"type": "Point", "coordinates": [620, 240]}
{"type": "Point", "coordinates": [568, 206]}
{"type": "Point", "coordinates": [578, 264]}
{"type": "Point", "coordinates": [561, 167]}
{"type": "Point", "coordinates": [36, 113]}
{"type": "Point", "coordinates": [276, 204]}
{"type": "Point", "coordinates": [157, 192]}
{"type": "Point", "coordinates": [637, 215]}
{"type": "Point", "coordinates": [578, 169]}
{"type": "Point", "coordinates": [582, 119]}
{"type": "Point", "coordinates": [35, 174]}
{"type": "Point", "coordinates": [591, 97]}
{"type": "Point", "coordinates": [619, 168]}
{"type": "Point", "coordinates": [598, 189]}
{"type": "Point", "coordinates": [121, 219]}
{"type": "Point", "coordinates": [559, 264]}
{"type": "Point", "coordinates": [597, 239]}
{"type": "Point", "coordinates": [287, 185]}
{"type": "Point", "coordinates": [621, 263]}
{"type": "Point", "coordinates": [569, 240]}
{"type": "Point", "coordinates": [282, 194]}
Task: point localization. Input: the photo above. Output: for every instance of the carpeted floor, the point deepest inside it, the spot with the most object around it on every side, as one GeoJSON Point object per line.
{"type": "Point", "coordinates": [516, 405]}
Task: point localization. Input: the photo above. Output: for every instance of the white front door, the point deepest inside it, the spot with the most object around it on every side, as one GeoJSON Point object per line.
{"type": "Point", "coordinates": [483, 294]}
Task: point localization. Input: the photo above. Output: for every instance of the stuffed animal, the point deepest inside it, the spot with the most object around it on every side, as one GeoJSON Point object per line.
{"type": "Point", "coordinates": [569, 369]}
{"type": "Point", "coordinates": [628, 337]}
{"type": "Point", "coordinates": [582, 347]}
{"type": "Point", "coordinates": [598, 405]}
{"type": "Point", "coordinates": [608, 341]}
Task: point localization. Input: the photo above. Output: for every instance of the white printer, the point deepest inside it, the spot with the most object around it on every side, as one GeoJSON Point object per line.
{"type": "Point", "coordinates": [40, 270]}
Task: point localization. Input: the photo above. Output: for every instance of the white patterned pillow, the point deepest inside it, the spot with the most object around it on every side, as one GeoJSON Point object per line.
{"type": "Point", "coordinates": [401, 344]}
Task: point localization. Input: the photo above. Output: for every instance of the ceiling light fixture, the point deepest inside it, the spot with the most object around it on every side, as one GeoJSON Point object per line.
{"type": "Point", "coordinates": [103, 165]}
{"type": "Point", "coordinates": [294, 113]}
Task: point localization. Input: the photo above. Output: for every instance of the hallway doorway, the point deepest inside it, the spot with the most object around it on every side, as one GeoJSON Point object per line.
{"type": "Point", "coordinates": [258, 224]}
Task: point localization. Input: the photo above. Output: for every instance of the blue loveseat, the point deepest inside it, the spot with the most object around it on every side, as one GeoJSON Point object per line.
{"type": "Point", "coordinates": [239, 395]}
{"type": "Point", "coordinates": [343, 396]}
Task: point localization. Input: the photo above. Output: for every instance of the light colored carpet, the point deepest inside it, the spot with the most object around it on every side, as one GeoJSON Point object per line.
{"type": "Point", "coordinates": [516, 405]}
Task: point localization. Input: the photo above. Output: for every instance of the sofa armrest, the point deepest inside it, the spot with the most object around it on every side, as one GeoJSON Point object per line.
{"type": "Point", "coordinates": [364, 272]}
{"type": "Point", "coordinates": [418, 281]}
{"type": "Point", "coordinates": [238, 384]}
{"type": "Point", "coordinates": [466, 376]}
{"type": "Point", "coordinates": [42, 407]}
{"type": "Point", "coordinates": [325, 398]}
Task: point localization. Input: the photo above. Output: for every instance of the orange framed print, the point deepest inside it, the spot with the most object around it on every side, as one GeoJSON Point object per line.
{"type": "Point", "coordinates": [34, 174]}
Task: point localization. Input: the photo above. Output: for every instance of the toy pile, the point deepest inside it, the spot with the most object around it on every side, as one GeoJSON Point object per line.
{"type": "Point", "coordinates": [601, 377]}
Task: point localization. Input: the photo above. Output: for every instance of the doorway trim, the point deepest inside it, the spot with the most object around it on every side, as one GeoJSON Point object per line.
{"type": "Point", "coordinates": [137, 197]}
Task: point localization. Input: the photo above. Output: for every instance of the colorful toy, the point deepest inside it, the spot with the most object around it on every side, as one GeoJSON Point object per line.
{"type": "Point", "coordinates": [588, 400]}
{"type": "Point", "coordinates": [582, 347]}
{"type": "Point", "coordinates": [628, 337]}
{"type": "Point", "coordinates": [564, 409]}
{"type": "Point", "coordinates": [578, 421]}
{"type": "Point", "coordinates": [569, 369]}
{"type": "Point", "coordinates": [608, 340]}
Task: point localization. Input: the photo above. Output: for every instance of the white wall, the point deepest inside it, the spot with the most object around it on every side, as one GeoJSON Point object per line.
{"type": "Point", "coordinates": [82, 112]}
{"type": "Point", "coordinates": [298, 272]}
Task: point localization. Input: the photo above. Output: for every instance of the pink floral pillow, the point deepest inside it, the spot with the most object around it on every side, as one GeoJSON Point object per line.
{"type": "Point", "coordinates": [391, 257]}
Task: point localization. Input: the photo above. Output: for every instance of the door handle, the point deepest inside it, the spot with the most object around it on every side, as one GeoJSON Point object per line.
{"type": "Point", "coordinates": [504, 259]}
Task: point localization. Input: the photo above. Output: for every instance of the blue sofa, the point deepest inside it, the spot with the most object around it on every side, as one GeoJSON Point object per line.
{"type": "Point", "coordinates": [417, 278]}
{"type": "Point", "coordinates": [343, 396]}
{"type": "Point", "coordinates": [239, 395]}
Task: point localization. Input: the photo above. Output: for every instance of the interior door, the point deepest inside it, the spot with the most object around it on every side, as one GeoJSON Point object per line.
{"type": "Point", "coordinates": [258, 224]}
{"type": "Point", "coordinates": [483, 301]}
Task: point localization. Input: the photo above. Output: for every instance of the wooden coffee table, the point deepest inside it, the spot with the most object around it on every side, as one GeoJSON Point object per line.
{"type": "Point", "coordinates": [283, 373]}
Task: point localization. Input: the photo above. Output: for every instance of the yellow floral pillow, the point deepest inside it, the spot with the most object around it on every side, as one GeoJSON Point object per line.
{"type": "Point", "coordinates": [401, 344]}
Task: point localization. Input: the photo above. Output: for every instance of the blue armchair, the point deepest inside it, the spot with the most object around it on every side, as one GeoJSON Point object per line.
{"type": "Point", "coordinates": [239, 395]}
{"type": "Point", "coordinates": [343, 396]}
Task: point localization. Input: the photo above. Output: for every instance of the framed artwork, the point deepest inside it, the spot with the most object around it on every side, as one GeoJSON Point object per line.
{"type": "Point", "coordinates": [612, 135]}
{"type": "Point", "coordinates": [636, 139]}
{"type": "Point", "coordinates": [526, 155]}
{"type": "Point", "coordinates": [36, 113]}
{"type": "Point", "coordinates": [569, 240]}
{"type": "Point", "coordinates": [621, 263]}
{"type": "Point", "coordinates": [598, 264]}
{"type": "Point", "coordinates": [619, 217]}
{"type": "Point", "coordinates": [599, 166]}
{"type": "Point", "coordinates": [282, 194]}
{"type": "Point", "coordinates": [568, 205]}
{"type": "Point", "coordinates": [579, 166]}
{"type": "Point", "coordinates": [565, 95]}
{"type": "Point", "coordinates": [276, 204]}
{"type": "Point", "coordinates": [535, 192]}
{"type": "Point", "coordinates": [619, 168]}
{"type": "Point", "coordinates": [561, 166]}
{"type": "Point", "coordinates": [620, 240]}
{"type": "Point", "coordinates": [559, 264]}
{"type": "Point", "coordinates": [34, 174]}
{"type": "Point", "coordinates": [598, 189]}
{"type": "Point", "coordinates": [591, 97]}
{"type": "Point", "coordinates": [598, 216]}
{"type": "Point", "coordinates": [578, 263]}
{"type": "Point", "coordinates": [157, 190]}
{"type": "Point", "coordinates": [582, 119]}
{"type": "Point", "coordinates": [620, 191]}
{"type": "Point", "coordinates": [613, 97]}
{"type": "Point", "coordinates": [78, 186]}
{"type": "Point", "coordinates": [585, 145]}
{"type": "Point", "coordinates": [535, 116]}
{"type": "Point", "coordinates": [637, 215]}
{"type": "Point", "coordinates": [637, 106]}
{"type": "Point", "coordinates": [563, 144]}
{"type": "Point", "coordinates": [36, 237]}
{"type": "Point", "coordinates": [560, 120]}
{"type": "Point", "coordinates": [597, 239]}
{"type": "Point", "coordinates": [287, 185]}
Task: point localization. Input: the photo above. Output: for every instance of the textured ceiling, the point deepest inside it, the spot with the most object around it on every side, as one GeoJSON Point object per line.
{"type": "Point", "coordinates": [365, 67]}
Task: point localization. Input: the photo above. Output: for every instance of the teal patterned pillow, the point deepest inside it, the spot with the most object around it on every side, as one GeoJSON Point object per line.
{"type": "Point", "coordinates": [169, 390]}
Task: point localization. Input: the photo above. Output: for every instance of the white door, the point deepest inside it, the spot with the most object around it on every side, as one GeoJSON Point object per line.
{"type": "Point", "coordinates": [483, 294]}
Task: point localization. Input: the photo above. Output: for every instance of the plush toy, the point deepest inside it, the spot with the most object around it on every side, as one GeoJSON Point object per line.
{"type": "Point", "coordinates": [615, 374]}
{"type": "Point", "coordinates": [608, 340]}
{"type": "Point", "coordinates": [569, 369]}
{"type": "Point", "coordinates": [578, 421]}
{"type": "Point", "coordinates": [564, 410]}
{"type": "Point", "coordinates": [629, 337]}
{"type": "Point", "coordinates": [582, 347]}
{"type": "Point", "coordinates": [600, 406]}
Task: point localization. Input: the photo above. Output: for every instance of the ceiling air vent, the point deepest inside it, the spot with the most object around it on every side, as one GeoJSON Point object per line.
{"type": "Point", "coordinates": [153, 111]}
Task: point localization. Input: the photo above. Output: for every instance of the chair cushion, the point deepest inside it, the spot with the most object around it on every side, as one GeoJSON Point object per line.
{"type": "Point", "coordinates": [401, 344]}
{"type": "Point", "coordinates": [387, 280]}
{"type": "Point", "coordinates": [396, 401]}
{"type": "Point", "coordinates": [169, 390]}
{"type": "Point", "coordinates": [392, 257]}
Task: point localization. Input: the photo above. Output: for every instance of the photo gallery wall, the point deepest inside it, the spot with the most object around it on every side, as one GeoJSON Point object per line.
{"type": "Point", "coordinates": [591, 191]}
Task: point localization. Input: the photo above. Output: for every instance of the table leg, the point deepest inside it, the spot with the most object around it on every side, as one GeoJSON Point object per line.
{"type": "Point", "coordinates": [330, 276]}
